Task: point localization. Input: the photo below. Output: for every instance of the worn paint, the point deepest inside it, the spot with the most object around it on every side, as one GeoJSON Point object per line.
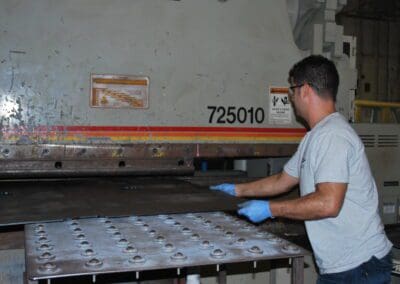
{"type": "Point", "coordinates": [196, 54]}
{"type": "Point", "coordinates": [47, 60]}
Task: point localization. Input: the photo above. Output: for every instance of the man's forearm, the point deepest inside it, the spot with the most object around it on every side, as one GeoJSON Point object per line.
{"type": "Point", "coordinates": [308, 207]}
{"type": "Point", "coordinates": [270, 186]}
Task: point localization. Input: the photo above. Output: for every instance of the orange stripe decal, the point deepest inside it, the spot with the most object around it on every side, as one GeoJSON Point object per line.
{"type": "Point", "coordinates": [157, 133]}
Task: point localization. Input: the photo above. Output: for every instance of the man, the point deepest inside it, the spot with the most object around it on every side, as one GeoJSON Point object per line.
{"type": "Point", "coordinates": [339, 199]}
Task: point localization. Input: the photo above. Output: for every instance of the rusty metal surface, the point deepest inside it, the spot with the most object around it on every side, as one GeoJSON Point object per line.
{"type": "Point", "coordinates": [94, 167]}
{"type": "Point", "coordinates": [133, 244]}
{"type": "Point", "coordinates": [140, 151]}
{"type": "Point", "coordinates": [54, 160]}
{"type": "Point", "coordinates": [47, 200]}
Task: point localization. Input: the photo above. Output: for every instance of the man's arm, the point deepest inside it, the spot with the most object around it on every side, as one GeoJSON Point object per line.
{"type": "Point", "coordinates": [325, 202]}
{"type": "Point", "coordinates": [269, 186]}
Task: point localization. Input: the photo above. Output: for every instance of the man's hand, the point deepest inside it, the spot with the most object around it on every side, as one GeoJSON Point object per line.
{"type": "Point", "coordinates": [227, 188]}
{"type": "Point", "coordinates": [255, 210]}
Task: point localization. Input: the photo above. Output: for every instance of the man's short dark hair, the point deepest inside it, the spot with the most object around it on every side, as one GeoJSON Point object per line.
{"type": "Point", "coordinates": [318, 72]}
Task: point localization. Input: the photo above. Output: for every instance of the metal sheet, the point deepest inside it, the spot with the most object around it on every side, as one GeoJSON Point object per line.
{"type": "Point", "coordinates": [109, 245]}
{"type": "Point", "coordinates": [24, 202]}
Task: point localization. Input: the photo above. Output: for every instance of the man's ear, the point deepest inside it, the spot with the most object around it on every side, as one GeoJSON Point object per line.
{"type": "Point", "coordinates": [303, 91]}
{"type": "Point", "coordinates": [307, 90]}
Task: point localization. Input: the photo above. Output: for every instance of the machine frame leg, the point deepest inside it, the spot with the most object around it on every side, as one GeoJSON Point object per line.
{"type": "Point", "coordinates": [297, 270]}
{"type": "Point", "coordinates": [222, 277]}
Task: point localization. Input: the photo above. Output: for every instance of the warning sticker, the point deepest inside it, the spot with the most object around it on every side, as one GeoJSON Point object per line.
{"type": "Point", "coordinates": [280, 108]}
{"type": "Point", "coordinates": [116, 91]}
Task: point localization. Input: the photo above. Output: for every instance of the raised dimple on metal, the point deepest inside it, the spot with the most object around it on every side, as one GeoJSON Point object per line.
{"type": "Point", "coordinates": [186, 231]}
{"type": "Point", "coordinates": [41, 233]}
{"type": "Point", "coordinates": [138, 222]}
{"type": "Point", "coordinates": [195, 237]}
{"type": "Point", "coordinates": [246, 228]}
{"type": "Point", "coordinates": [48, 267]}
{"type": "Point", "coordinates": [39, 227]}
{"type": "Point", "coordinates": [228, 234]}
{"type": "Point", "coordinates": [94, 262]}
{"type": "Point", "coordinates": [160, 239]}
{"type": "Point", "coordinates": [152, 233]}
{"type": "Point", "coordinates": [80, 237]}
{"type": "Point", "coordinates": [273, 239]}
{"type": "Point", "coordinates": [218, 253]}
{"type": "Point", "coordinates": [241, 241]}
{"type": "Point", "coordinates": [206, 244]}
{"type": "Point", "coordinates": [169, 247]}
{"type": "Point", "coordinates": [74, 224]}
{"type": "Point", "coordinates": [228, 218]}
{"type": "Point", "coordinates": [261, 234]}
{"type": "Point", "coordinates": [84, 244]}
{"type": "Point", "coordinates": [130, 249]}
{"type": "Point", "coordinates": [88, 252]}
{"type": "Point", "coordinates": [116, 236]}
{"type": "Point", "coordinates": [169, 221]}
{"type": "Point", "coordinates": [77, 231]}
{"type": "Point", "coordinates": [43, 240]}
{"type": "Point", "coordinates": [137, 259]}
{"type": "Point", "coordinates": [46, 256]}
{"type": "Point", "coordinates": [289, 248]}
{"type": "Point", "coordinates": [111, 229]}
{"type": "Point", "coordinates": [198, 218]}
{"type": "Point", "coordinates": [255, 250]}
{"type": "Point", "coordinates": [122, 242]}
{"type": "Point", "coordinates": [218, 228]}
{"type": "Point", "coordinates": [45, 247]}
{"type": "Point", "coordinates": [237, 223]}
{"type": "Point", "coordinates": [179, 256]}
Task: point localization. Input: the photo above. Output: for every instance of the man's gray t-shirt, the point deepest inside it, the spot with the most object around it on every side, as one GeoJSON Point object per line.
{"type": "Point", "coordinates": [332, 152]}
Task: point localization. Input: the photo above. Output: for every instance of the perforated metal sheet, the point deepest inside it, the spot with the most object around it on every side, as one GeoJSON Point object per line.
{"type": "Point", "coordinates": [108, 245]}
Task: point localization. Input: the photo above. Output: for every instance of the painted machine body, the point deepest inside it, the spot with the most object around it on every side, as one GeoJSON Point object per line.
{"type": "Point", "coordinates": [129, 81]}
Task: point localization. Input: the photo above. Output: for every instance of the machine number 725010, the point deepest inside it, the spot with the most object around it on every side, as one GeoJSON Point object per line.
{"type": "Point", "coordinates": [232, 114]}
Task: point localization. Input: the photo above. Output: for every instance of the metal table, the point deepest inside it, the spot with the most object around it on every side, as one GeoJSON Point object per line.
{"type": "Point", "coordinates": [133, 244]}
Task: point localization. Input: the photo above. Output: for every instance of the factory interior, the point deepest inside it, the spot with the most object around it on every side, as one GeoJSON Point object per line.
{"type": "Point", "coordinates": [119, 118]}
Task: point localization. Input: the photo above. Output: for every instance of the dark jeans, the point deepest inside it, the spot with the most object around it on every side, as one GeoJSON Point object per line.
{"type": "Point", "coordinates": [374, 271]}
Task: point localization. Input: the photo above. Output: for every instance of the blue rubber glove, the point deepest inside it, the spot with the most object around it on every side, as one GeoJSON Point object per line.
{"type": "Point", "coordinates": [228, 188]}
{"type": "Point", "coordinates": [255, 210]}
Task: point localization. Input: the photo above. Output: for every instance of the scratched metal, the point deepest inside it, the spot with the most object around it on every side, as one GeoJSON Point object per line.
{"type": "Point", "coordinates": [55, 160]}
{"type": "Point", "coordinates": [32, 201]}
{"type": "Point", "coordinates": [45, 73]}
{"type": "Point", "coordinates": [133, 244]}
